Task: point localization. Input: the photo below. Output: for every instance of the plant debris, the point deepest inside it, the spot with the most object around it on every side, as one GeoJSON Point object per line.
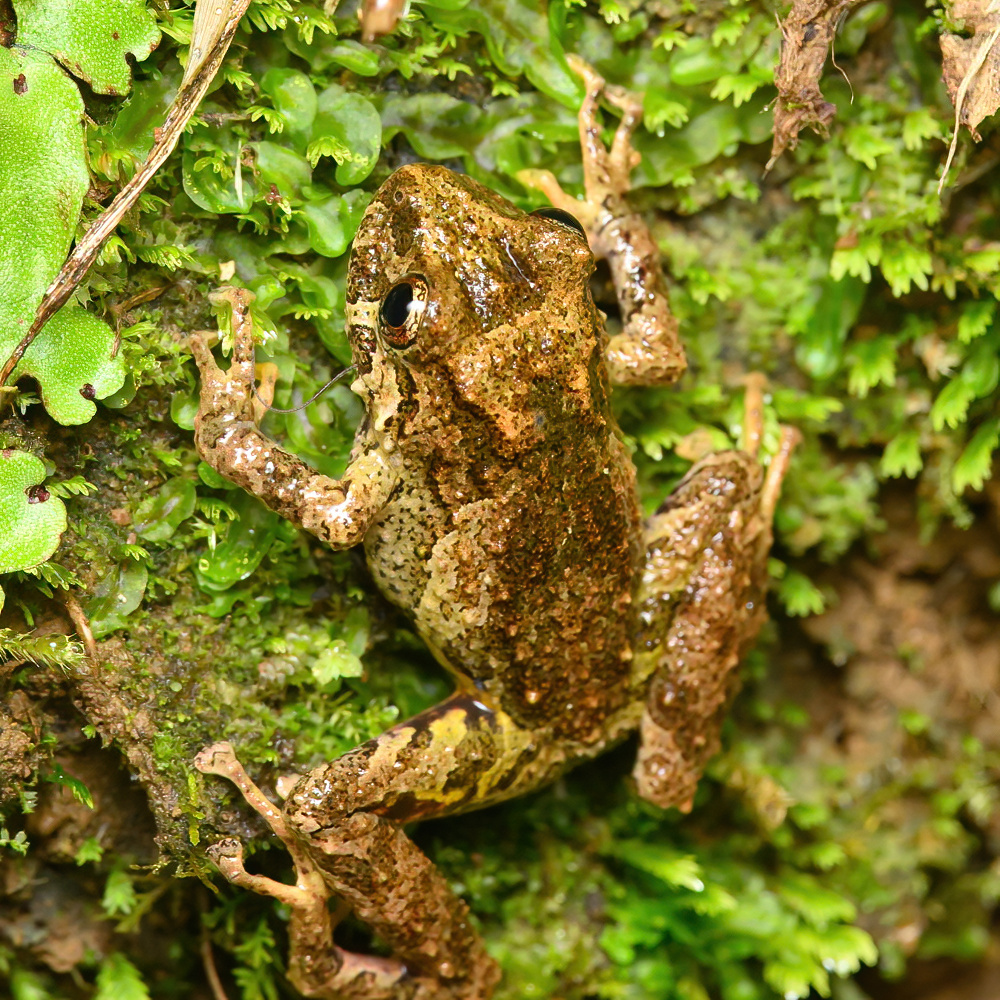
{"type": "Point", "coordinates": [807, 37]}
{"type": "Point", "coordinates": [971, 68]}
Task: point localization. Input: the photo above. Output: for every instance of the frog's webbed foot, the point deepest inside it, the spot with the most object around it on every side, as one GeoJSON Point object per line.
{"type": "Point", "coordinates": [648, 350]}
{"type": "Point", "coordinates": [341, 847]}
{"type": "Point", "coordinates": [702, 603]}
{"type": "Point", "coordinates": [316, 966]}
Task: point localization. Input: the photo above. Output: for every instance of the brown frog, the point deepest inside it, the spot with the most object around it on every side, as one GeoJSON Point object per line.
{"type": "Point", "coordinates": [496, 502]}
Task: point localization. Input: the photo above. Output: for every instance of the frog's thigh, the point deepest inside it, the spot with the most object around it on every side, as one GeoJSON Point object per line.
{"type": "Point", "coordinates": [453, 756]}
{"type": "Point", "coordinates": [700, 604]}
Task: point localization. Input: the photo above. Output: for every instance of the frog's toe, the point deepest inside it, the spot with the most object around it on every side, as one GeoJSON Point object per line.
{"type": "Point", "coordinates": [216, 759]}
{"type": "Point", "coordinates": [227, 855]}
{"type": "Point", "coordinates": [203, 356]}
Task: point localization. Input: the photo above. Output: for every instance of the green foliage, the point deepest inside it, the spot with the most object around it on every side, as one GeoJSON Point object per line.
{"type": "Point", "coordinates": [18, 843]}
{"type": "Point", "coordinates": [44, 176]}
{"type": "Point", "coordinates": [31, 519]}
{"type": "Point", "coordinates": [256, 953]}
{"type": "Point", "coordinates": [869, 303]}
{"type": "Point", "coordinates": [48, 650]}
{"type": "Point", "coordinates": [57, 776]}
{"type": "Point", "coordinates": [89, 850]}
{"type": "Point", "coordinates": [92, 39]}
{"type": "Point", "coordinates": [119, 979]}
{"type": "Point", "coordinates": [119, 893]}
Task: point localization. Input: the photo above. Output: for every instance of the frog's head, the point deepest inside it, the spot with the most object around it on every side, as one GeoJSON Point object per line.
{"type": "Point", "coordinates": [459, 300]}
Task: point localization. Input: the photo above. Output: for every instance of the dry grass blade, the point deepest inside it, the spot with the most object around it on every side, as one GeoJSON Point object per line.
{"type": "Point", "coordinates": [215, 24]}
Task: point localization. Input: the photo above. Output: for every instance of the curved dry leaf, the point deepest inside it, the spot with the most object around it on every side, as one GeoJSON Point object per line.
{"type": "Point", "coordinates": [973, 63]}
{"type": "Point", "coordinates": [971, 69]}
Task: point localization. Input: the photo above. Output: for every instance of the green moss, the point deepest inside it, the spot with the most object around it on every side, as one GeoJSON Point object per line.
{"type": "Point", "coordinates": [868, 302]}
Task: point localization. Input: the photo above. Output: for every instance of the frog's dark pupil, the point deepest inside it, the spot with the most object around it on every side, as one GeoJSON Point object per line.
{"type": "Point", "coordinates": [558, 215]}
{"type": "Point", "coordinates": [396, 304]}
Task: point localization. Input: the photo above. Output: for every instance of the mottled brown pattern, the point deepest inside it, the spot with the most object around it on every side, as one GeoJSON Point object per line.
{"type": "Point", "coordinates": [496, 501]}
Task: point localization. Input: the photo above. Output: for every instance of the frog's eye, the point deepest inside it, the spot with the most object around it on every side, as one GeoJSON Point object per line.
{"type": "Point", "coordinates": [402, 309]}
{"type": "Point", "coordinates": [563, 218]}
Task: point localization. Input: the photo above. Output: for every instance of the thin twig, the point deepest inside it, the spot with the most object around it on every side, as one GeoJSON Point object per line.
{"type": "Point", "coordinates": [82, 625]}
{"type": "Point", "coordinates": [208, 961]}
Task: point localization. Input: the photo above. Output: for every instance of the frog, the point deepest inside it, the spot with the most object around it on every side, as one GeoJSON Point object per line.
{"type": "Point", "coordinates": [496, 501]}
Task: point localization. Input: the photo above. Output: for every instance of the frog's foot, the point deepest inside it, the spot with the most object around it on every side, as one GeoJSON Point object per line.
{"type": "Point", "coordinates": [647, 350]}
{"type": "Point", "coordinates": [227, 396]}
{"type": "Point", "coordinates": [391, 874]}
{"type": "Point", "coordinates": [606, 171]}
{"type": "Point", "coordinates": [316, 966]}
{"type": "Point", "coordinates": [702, 604]}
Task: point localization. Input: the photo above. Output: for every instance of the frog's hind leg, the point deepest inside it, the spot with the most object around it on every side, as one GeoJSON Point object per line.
{"type": "Point", "coordinates": [701, 604]}
{"type": "Point", "coordinates": [648, 350]}
{"type": "Point", "coordinates": [315, 965]}
{"type": "Point", "coordinates": [342, 824]}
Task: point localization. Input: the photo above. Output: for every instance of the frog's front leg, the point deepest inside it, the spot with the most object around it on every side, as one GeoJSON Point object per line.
{"type": "Point", "coordinates": [648, 350]}
{"type": "Point", "coordinates": [342, 826]}
{"type": "Point", "coordinates": [701, 603]}
{"type": "Point", "coordinates": [227, 437]}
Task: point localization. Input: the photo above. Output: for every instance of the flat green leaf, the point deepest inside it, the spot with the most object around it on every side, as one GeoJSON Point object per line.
{"type": "Point", "coordinates": [116, 597]}
{"type": "Point", "coordinates": [353, 56]}
{"type": "Point", "coordinates": [333, 223]}
{"type": "Point", "coordinates": [43, 176]}
{"type": "Point", "coordinates": [976, 319]}
{"type": "Point", "coordinates": [213, 191]}
{"type": "Point", "coordinates": [245, 545]}
{"type": "Point", "coordinates": [352, 122]}
{"type": "Point", "coordinates": [823, 330]}
{"type": "Point", "coordinates": [71, 359]}
{"type": "Point", "coordinates": [902, 455]}
{"type": "Point", "coordinates": [159, 515]}
{"type": "Point", "coordinates": [800, 596]}
{"type": "Point", "coordinates": [336, 661]}
{"type": "Point", "coordinates": [118, 978]}
{"type": "Point", "coordinates": [31, 520]}
{"type": "Point", "coordinates": [699, 62]}
{"type": "Point", "coordinates": [130, 135]}
{"type": "Point", "coordinates": [519, 40]}
{"type": "Point", "coordinates": [282, 170]}
{"type": "Point", "coordinates": [668, 865]}
{"type": "Point", "coordinates": [976, 461]}
{"type": "Point", "coordinates": [59, 776]}
{"type": "Point", "coordinates": [91, 38]}
{"type": "Point", "coordinates": [437, 125]}
{"type": "Point", "coordinates": [119, 894]}
{"type": "Point", "coordinates": [293, 95]}
{"type": "Point", "coordinates": [872, 363]}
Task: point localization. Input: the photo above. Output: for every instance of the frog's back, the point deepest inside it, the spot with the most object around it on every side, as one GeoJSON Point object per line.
{"type": "Point", "coordinates": [512, 538]}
